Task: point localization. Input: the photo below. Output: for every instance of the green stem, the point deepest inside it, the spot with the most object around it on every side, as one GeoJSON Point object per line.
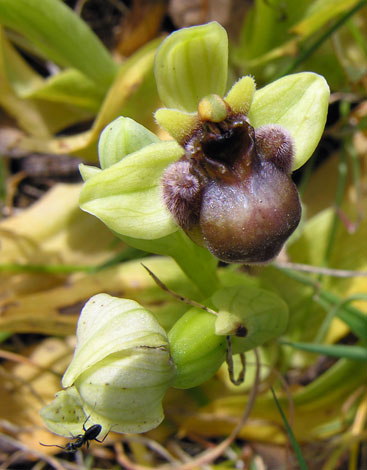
{"type": "Point", "coordinates": [196, 262]}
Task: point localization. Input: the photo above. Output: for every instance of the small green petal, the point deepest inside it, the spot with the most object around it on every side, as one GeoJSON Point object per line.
{"type": "Point", "coordinates": [299, 103]}
{"type": "Point", "coordinates": [177, 123]}
{"type": "Point", "coordinates": [65, 416]}
{"type": "Point", "coordinates": [191, 63]}
{"type": "Point", "coordinates": [120, 138]}
{"type": "Point", "coordinates": [240, 96]}
{"type": "Point", "coordinates": [127, 196]}
{"type": "Point", "coordinates": [88, 171]}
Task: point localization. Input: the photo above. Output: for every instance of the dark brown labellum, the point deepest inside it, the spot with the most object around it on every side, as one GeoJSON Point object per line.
{"type": "Point", "coordinates": [232, 189]}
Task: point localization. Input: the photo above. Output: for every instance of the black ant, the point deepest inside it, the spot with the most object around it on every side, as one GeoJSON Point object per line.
{"type": "Point", "coordinates": [90, 434]}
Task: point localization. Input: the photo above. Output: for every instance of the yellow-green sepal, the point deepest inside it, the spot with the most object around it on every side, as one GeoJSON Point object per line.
{"type": "Point", "coordinates": [192, 63]}
{"type": "Point", "coordinates": [127, 196]}
{"type": "Point", "coordinates": [297, 102]}
{"type": "Point", "coordinates": [88, 171]}
{"type": "Point", "coordinates": [120, 138]}
{"type": "Point", "coordinates": [64, 415]}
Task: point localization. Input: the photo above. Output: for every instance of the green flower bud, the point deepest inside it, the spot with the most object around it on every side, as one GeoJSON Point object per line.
{"type": "Point", "coordinates": [251, 316]}
{"type": "Point", "coordinates": [195, 348]}
{"type": "Point", "coordinates": [120, 371]}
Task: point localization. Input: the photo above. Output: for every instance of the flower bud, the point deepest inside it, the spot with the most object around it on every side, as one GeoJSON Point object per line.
{"type": "Point", "coordinates": [121, 367]}
{"type": "Point", "coordinates": [195, 348]}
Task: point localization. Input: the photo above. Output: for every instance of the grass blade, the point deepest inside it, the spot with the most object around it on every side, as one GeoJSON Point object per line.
{"type": "Point", "coordinates": [297, 450]}
{"type": "Point", "coordinates": [355, 353]}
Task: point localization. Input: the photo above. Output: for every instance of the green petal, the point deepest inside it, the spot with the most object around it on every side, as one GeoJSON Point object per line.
{"type": "Point", "coordinates": [127, 196]}
{"type": "Point", "coordinates": [191, 63]}
{"type": "Point", "coordinates": [177, 123]}
{"type": "Point", "coordinates": [240, 96]}
{"type": "Point", "coordinates": [65, 416]}
{"type": "Point", "coordinates": [120, 138]}
{"type": "Point", "coordinates": [299, 103]}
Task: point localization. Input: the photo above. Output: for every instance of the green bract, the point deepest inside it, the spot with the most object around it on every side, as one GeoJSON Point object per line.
{"type": "Point", "coordinates": [120, 371]}
{"type": "Point", "coordinates": [256, 314]}
{"type": "Point", "coordinates": [191, 65]}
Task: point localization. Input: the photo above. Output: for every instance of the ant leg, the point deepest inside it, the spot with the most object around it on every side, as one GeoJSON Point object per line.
{"type": "Point", "coordinates": [104, 437]}
{"type": "Point", "coordinates": [85, 422]}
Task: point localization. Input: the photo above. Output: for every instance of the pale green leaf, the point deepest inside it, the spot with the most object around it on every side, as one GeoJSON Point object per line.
{"type": "Point", "coordinates": [69, 86]}
{"type": "Point", "coordinates": [319, 13]}
{"type": "Point", "coordinates": [61, 35]}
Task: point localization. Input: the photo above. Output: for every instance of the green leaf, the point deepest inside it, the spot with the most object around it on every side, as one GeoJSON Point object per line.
{"type": "Point", "coordinates": [263, 314]}
{"type": "Point", "coordinates": [355, 353]}
{"type": "Point", "coordinates": [60, 35]}
{"type": "Point", "coordinates": [319, 13]}
{"type": "Point", "coordinates": [37, 117]}
{"type": "Point", "coordinates": [299, 103]}
{"type": "Point", "coordinates": [297, 449]}
{"type": "Point", "coordinates": [69, 86]}
{"type": "Point", "coordinates": [190, 64]}
{"type": "Point", "coordinates": [127, 195]}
